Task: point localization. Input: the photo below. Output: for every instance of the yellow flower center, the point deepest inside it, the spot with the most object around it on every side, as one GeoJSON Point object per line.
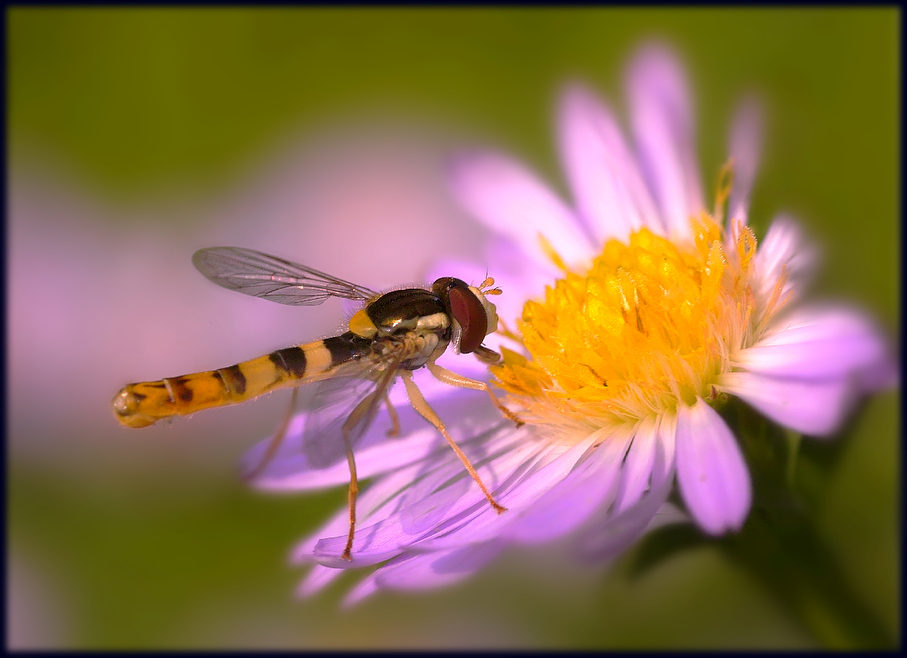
{"type": "Point", "coordinates": [648, 327]}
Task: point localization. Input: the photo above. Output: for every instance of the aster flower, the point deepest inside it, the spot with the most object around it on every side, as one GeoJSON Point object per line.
{"type": "Point", "coordinates": [635, 314]}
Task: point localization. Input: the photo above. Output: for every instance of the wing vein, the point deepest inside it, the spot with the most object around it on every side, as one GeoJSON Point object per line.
{"type": "Point", "coordinates": [257, 274]}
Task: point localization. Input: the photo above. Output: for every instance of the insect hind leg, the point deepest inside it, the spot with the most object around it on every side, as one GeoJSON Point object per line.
{"type": "Point", "coordinates": [421, 406]}
{"type": "Point", "coordinates": [273, 446]}
{"type": "Point", "coordinates": [358, 414]}
{"type": "Point", "coordinates": [351, 496]}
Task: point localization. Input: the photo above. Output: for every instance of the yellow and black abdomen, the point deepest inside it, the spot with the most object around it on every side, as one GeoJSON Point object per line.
{"type": "Point", "coordinates": [143, 404]}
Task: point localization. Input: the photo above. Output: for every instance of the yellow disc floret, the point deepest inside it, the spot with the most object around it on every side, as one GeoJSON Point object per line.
{"type": "Point", "coordinates": [648, 327]}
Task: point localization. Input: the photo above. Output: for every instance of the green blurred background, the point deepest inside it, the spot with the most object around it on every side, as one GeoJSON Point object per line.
{"type": "Point", "coordinates": [130, 131]}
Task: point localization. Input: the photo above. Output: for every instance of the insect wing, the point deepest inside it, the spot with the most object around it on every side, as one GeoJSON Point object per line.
{"type": "Point", "coordinates": [343, 404]}
{"type": "Point", "coordinates": [260, 275]}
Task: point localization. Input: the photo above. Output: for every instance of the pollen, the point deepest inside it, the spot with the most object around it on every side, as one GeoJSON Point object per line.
{"type": "Point", "coordinates": [648, 327]}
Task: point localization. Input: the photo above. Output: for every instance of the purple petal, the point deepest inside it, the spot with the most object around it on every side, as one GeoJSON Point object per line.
{"type": "Point", "coordinates": [414, 571]}
{"type": "Point", "coordinates": [511, 200]}
{"type": "Point", "coordinates": [291, 470]}
{"type": "Point", "coordinates": [422, 509]}
{"type": "Point", "coordinates": [712, 474]}
{"type": "Point", "coordinates": [746, 139]}
{"type": "Point", "coordinates": [593, 483]}
{"type": "Point", "coordinates": [815, 343]}
{"type": "Point", "coordinates": [366, 587]}
{"type": "Point", "coordinates": [388, 537]}
{"type": "Point", "coordinates": [518, 277]}
{"type": "Point", "coordinates": [663, 468]}
{"type": "Point", "coordinates": [604, 539]}
{"type": "Point", "coordinates": [649, 462]}
{"type": "Point", "coordinates": [784, 247]}
{"type": "Point", "coordinates": [611, 195]}
{"type": "Point", "coordinates": [316, 580]}
{"type": "Point", "coordinates": [662, 118]}
{"type": "Point", "coordinates": [882, 375]}
{"type": "Point", "coordinates": [530, 483]}
{"type": "Point", "coordinates": [637, 469]}
{"type": "Point", "coordinates": [811, 406]}
{"type": "Point", "coordinates": [374, 503]}
{"type": "Point", "coordinates": [387, 495]}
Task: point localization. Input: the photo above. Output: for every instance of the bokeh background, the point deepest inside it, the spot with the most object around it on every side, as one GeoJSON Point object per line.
{"type": "Point", "coordinates": [137, 136]}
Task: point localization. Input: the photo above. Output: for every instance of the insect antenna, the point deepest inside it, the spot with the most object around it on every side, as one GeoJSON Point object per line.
{"type": "Point", "coordinates": [486, 287]}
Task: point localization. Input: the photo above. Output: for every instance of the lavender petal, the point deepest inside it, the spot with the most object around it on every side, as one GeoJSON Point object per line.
{"type": "Point", "coordinates": [810, 406]}
{"type": "Point", "coordinates": [611, 196]}
{"type": "Point", "coordinates": [662, 120]}
{"type": "Point", "coordinates": [711, 472]}
{"type": "Point", "coordinates": [513, 201]}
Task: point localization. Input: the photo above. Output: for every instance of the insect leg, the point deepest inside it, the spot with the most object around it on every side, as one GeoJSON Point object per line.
{"type": "Point", "coordinates": [354, 418]}
{"type": "Point", "coordinates": [487, 356]}
{"type": "Point", "coordinates": [351, 496]}
{"type": "Point", "coordinates": [420, 405]}
{"type": "Point", "coordinates": [449, 377]}
{"type": "Point", "coordinates": [395, 420]}
{"type": "Point", "coordinates": [353, 427]}
{"type": "Point", "coordinates": [275, 442]}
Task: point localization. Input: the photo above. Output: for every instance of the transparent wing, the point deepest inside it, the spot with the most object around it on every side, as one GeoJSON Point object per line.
{"type": "Point", "coordinates": [260, 275]}
{"type": "Point", "coordinates": [345, 403]}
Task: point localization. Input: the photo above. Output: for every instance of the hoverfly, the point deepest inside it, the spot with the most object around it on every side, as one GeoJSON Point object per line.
{"type": "Point", "coordinates": [394, 333]}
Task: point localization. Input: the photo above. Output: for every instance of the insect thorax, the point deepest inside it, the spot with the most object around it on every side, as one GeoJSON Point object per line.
{"type": "Point", "coordinates": [402, 310]}
{"type": "Point", "coordinates": [413, 348]}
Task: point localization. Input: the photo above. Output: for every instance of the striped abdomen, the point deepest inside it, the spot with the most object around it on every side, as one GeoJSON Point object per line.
{"type": "Point", "coordinates": [143, 404]}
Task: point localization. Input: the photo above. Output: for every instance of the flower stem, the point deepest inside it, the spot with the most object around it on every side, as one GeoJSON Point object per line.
{"type": "Point", "coordinates": [787, 556]}
{"type": "Point", "coordinates": [781, 546]}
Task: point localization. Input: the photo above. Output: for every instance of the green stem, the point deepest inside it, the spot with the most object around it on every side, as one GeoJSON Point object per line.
{"type": "Point", "coordinates": [780, 544]}
{"type": "Point", "coordinates": [787, 556]}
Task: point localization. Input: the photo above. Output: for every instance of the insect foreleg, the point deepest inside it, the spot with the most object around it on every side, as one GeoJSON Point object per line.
{"type": "Point", "coordinates": [487, 356]}
{"type": "Point", "coordinates": [421, 406]}
{"type": "Point", "coordinates": [449, 377]}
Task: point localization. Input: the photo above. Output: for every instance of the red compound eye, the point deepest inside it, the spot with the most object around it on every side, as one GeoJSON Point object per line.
{"type": "Point", "coordinates": [469, 313]}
